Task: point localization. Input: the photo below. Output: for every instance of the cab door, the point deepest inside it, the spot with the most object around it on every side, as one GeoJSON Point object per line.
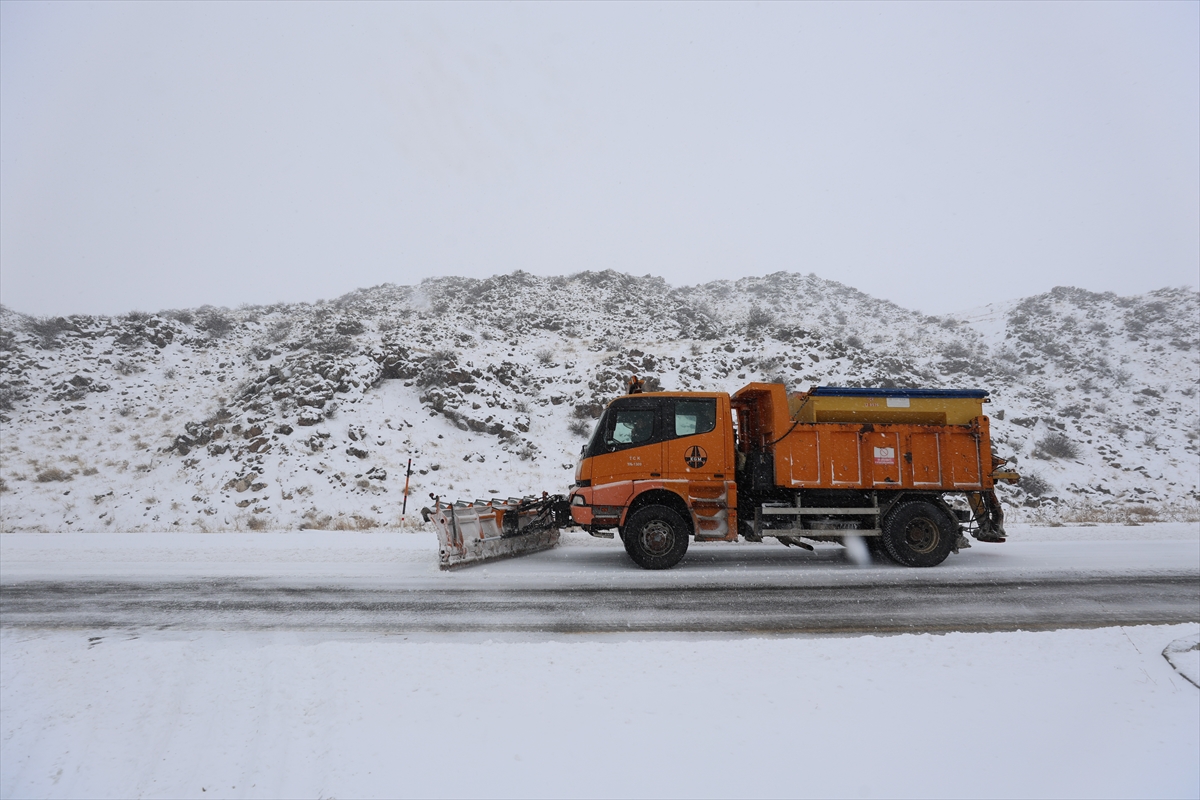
{"type": "Point", "coordinates": [695, 442]}
{"type": "Point", "coordinates": [628, 443]}
{"type": "Point", "coordinates": [696, 451]}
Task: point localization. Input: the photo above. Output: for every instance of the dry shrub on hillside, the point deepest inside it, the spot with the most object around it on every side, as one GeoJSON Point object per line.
{"type": "Point", "coordinates": [1035, 484]}
{"type": "Point", "coordinates": [1124, 515]}
{"type": "Point", "coordinates": [216, 323]}
{"type": "Point", "coordinates": [349, 327]}
{"type": "Point", "coordinates": [8, 396]}
{"type": "Point", "coordinates": [758, 319]}
{"type": "Point", "coordinates": [437, 369]}
{"type": "Point", "coordinates": [588, 411]}
{"type": "Point", "coordinates": [332, 344]}
{"type": "Point", "coordinates": [53, 474]}
{"type": "Point", "coordinates": [279, 330]}
{"type": "Point", "coordinates": [315, 520]}
{"type": "Point", "coordinates": [1056, 445]}
{"type": "Point", "coordinates": [1112, 513]}
{"type": "Point", "coordinates": [47, 330]}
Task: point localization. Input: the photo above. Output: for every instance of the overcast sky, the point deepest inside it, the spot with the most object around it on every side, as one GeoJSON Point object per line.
{"type": "Point", "coordinates": [167, 155]}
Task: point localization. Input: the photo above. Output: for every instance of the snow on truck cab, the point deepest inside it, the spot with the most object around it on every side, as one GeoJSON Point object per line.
{"type": "Point", "coordinates": [911, 471]}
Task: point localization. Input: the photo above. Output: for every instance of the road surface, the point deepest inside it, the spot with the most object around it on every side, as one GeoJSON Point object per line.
{"type": "Point", "coordinates": [388, 583]}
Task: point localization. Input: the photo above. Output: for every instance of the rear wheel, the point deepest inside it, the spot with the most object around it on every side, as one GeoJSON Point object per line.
{"type": "Point", "coordinates": [876, 547]}
{"type": "Point", "coordinates": [919, 534]}
{"type": "Point", "coordinates": [655, 537]}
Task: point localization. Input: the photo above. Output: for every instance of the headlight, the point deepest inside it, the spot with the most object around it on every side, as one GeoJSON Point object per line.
{"type": "Point", "coordinates": [578, 500]}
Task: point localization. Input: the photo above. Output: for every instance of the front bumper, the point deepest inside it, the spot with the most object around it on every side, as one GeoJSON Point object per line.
{"type": "Point", "coordinates": [587, 515]}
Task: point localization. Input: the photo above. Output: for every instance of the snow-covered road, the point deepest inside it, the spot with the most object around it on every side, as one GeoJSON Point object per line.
{"type": "Point", "coordinates": [861, 606]}
{"type": "Point", "coordinates": [410, 559]}
{"type": "Point", "coordinates": [390, 583]}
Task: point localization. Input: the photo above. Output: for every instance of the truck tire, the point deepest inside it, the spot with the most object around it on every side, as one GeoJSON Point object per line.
{"type": "Point", "coordinates": [655, 537]}
{"type": "Point", "coordinates": [876, 547]}
{"type": "Point", "coordinates": [918, 534]}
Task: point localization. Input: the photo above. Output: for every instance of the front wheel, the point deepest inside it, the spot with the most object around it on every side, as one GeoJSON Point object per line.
{"type": "Point", "coordinates": [655, 537]}
{"type": "Point", "coordinates": [919, 534]}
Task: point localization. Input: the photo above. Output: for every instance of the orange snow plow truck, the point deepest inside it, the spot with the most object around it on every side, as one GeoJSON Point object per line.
{"type": "Point", "coordinates": [910, 471]}
{"type": "Point", "coordinates": [883, 464]}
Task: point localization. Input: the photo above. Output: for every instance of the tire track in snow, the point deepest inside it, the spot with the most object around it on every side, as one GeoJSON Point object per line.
{"type": "Point", "coordinates": [255, 604]}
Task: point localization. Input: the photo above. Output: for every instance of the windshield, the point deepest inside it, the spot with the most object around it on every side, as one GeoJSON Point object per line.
{"type": "Point", "coordinates": [626, 423]}
{"type": "Point", "coordinates": [636, 421]}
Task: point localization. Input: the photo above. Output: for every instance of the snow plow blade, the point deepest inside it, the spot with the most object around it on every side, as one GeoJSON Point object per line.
{"type": "Point", "coordinates": [470, 533]}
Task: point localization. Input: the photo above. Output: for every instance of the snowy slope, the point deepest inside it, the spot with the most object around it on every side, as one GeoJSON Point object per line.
{"type": "Point", "coordinates": [304, 415]}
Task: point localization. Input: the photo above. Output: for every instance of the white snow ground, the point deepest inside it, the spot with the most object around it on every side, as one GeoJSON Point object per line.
{"type": "Point", "coordinates": [206, 713]}
{"type": "Point", "coordinates": [1090, 713]}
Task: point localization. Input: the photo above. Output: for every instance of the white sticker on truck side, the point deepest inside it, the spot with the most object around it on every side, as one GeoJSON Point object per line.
{"type": "Point", "coordinates": [885, 455]}
{"type": "Point", "coordinates": [897, 402]}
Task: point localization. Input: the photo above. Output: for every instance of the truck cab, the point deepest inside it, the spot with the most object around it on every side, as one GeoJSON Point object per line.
{"type": "Point", "coordinates": [672, 452]}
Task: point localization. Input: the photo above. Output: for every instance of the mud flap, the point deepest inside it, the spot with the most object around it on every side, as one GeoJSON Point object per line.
{"type": "Point", "coordinates": [471, 533]}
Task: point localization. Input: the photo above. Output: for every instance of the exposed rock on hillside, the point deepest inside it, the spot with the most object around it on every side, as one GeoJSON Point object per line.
{"type": "Point", "coordinates": [305, 415]}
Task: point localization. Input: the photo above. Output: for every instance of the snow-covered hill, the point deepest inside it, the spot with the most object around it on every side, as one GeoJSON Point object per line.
{"type": "Point", "coordinates": [305, 415]}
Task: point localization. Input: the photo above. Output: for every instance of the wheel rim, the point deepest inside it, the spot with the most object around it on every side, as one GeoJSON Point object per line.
{"type": "Point", "coordinates": [657, 537]}
{"type": "Point", "coordinates": [922, 535]}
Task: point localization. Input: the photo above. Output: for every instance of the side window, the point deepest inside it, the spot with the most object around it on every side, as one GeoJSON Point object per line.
{"type": "Point", "coordinates": [695, 416]}
{"type": "Point", "coordinates": [633, 426]}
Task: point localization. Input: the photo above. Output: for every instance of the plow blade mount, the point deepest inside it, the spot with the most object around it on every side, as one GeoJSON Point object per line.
{"type": "Point", "coordinates": [469, 533]}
